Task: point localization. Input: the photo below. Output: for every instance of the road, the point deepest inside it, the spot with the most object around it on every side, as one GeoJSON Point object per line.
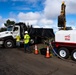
{"type": "Point", "coordinates": [16, 62]}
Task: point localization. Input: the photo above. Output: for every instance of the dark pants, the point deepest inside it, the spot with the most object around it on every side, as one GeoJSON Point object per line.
{"type": "Point", "coordinates": [26, 47]}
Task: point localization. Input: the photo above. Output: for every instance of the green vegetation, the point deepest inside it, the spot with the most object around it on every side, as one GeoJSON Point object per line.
{"type": "Point", "coordinates": [3, 29]}
{"type": "Point", "coordinates": [8, 23]}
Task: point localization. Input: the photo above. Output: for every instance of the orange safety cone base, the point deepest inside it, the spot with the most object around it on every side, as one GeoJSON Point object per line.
{"type": "Point", "coordinates": [47, 56]}
{"type": "Point", "coordinates": [36, 50]}
{"type": "Point", "coordinates": [47, 53]}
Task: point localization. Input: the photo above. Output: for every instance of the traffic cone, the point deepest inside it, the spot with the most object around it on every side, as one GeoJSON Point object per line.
{"type": "Point", "coordinates": [47, 52]}
{"type": "Point", "coordinates": [36, 49]}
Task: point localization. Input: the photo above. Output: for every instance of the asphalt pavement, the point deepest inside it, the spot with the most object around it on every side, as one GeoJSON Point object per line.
{"type": "Point", "coordinates": [16, 62]}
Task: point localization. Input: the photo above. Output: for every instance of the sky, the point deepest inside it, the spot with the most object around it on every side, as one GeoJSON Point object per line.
{"type": "Point", "coordinates": [38, 13]}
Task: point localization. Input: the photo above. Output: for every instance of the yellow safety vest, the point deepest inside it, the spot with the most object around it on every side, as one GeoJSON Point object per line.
{"type": "Point", "coordinates": [17, 38]}
{"type": "Point", "coordinates": [26, 38]}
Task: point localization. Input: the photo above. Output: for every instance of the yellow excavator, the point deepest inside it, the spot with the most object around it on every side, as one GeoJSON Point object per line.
{"type": "Point", "coordinates": [62, 17]}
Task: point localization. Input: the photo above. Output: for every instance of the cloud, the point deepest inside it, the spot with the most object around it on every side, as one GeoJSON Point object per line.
{"type": "Point", "coordinates": [52, 8]}
{"type": "Point", "coordinates": [46, 21]}
{"type": "Point", "coordinates": [2, 21]}
{"type": "Point", "coordinates": [36, 19]}
{"type": "Point", "coordinates": [47, 18]}
{"type": "Point", "coordinates": [2, 25]}
{"type": "Point", "coordinates": [12, 15]}
{"type": "Point", "coordinates": [29, 16]}
{"type": "Point", "coordinates": [30, 22]}
{"type": "Point", "coordinates": [12, 19]}
{"type": "Point", "coordinates": [36, 26]}
{"type": "Point", "coordinates": [71, 5]}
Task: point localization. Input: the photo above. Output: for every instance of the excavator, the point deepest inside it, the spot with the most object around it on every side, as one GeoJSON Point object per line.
{"type": "Point", "coordinates": [62, 18]}
{"type": "Point", "coordinates": [65, 39]}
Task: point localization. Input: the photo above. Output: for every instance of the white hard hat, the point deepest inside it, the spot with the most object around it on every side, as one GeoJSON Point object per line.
{"type": "Point", "coordinates": [26, 31]}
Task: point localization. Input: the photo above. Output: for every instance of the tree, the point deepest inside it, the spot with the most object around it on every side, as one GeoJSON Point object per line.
{"type": "Point", "coordinates": [3, 29]}
{"type": "Point", "coordinates": [8, 23]}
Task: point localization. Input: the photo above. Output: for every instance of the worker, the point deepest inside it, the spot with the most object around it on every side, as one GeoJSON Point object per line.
{"type": "Point", "coordinates": [26, 41]}
{"type": "Point", "coordinates": [18, 41]}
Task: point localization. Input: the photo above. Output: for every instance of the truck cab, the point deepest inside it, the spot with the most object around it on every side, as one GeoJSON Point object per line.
{"type": "Point", "coordinates": [7, 38]}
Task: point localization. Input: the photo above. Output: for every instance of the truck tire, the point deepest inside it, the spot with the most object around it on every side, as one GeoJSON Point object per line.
{"type": "Point", "coordinates": [8, 44]}
{"type": "Point", "coordinates": [73, 55]}
{"type": "Point", "coordinates": [63, 52]}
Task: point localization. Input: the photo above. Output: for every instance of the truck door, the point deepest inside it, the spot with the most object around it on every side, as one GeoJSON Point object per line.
{"type": "Point", "coordinates": [16, 31]}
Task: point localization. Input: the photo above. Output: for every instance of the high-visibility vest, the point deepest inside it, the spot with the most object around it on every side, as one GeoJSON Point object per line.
{"type": "Point", "coordinates": [17, 38]}
{"type": "Point", "coordinates": [26, 38]}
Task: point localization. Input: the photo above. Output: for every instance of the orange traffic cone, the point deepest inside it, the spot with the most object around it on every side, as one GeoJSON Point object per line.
{"type": "Point", "coordinates": [36, 49]}
{"type": "Point", "coordinates": [47, 52]}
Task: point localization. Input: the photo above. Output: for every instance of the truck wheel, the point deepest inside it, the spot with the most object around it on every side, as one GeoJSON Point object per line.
{"type": "Point", "coordinates": [73, 55]}
{"type": "Point", "coordinates": [8, 44]}
{"type": "Point", "coordinates": [63, 52]}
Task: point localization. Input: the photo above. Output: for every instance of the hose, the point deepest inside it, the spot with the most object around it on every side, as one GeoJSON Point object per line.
{"type": "Point", "coordinates": [55, 51]}
{"type": "Point", "coordinates": [59, 55]}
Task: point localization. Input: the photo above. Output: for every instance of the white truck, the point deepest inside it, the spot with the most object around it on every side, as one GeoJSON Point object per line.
{"type": "Point", "coordinates": [8, 38]}
{"type": "Point", "coordinates": [65, 42]}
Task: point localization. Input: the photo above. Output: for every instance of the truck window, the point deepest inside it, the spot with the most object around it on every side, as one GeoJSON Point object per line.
{"type": "Point", "coordinates": [9, 28]}
{"type": "Point", "coordinates": [15, 29]}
